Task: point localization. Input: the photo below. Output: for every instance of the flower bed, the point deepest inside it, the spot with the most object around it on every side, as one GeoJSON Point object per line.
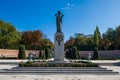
{"type": "Point", "coordinates": [44, 64]}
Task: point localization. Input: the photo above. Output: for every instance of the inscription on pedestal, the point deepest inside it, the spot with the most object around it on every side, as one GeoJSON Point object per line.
{"type": "Point", "coordinates": [59, 38]}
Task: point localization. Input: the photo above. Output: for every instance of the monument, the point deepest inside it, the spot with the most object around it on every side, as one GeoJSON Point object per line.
{"type": "Point", "coordinates": [59, 40]}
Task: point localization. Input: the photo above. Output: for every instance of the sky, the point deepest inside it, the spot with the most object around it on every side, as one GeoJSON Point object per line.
{"type": "Point", "coordinates": [80, 16]}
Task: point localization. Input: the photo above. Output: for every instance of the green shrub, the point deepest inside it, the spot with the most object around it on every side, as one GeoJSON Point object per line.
{"type": "Point", "coordinates": [48, 53]}
{"type": "Point", "coordinates": [44, 64]}
{"type": "Point", "coordinates": [40, 54]}
{"type": "Point", "coordinates": [96, 55]}
{"type": "Point", "coordinates": [21, 54]}
{"type": "Point", "coordinates": [22, 64]}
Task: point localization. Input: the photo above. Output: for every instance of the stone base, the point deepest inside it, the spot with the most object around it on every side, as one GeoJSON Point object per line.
{"type": "Point", "coordinates": [59, 47]}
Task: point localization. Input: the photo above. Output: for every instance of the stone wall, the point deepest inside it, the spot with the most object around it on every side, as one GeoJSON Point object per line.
{"type": "Point", "coordinates": [103, 54]}
{"type": "Point", "coordinates": [14, 53]}
{"type": "Point", "coordinates": [107, 54]}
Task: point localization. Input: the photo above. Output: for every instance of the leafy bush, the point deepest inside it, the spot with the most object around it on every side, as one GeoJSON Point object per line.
{"type": "Point", "coordinates": [21, 54]}
{"type": "Point", "coordinates": [72, 53]}
{"type": "Point", "coordinates": [96, 55]}
{"type": "Point", "coordinates": [47, 51]}
{"type": "Point", "coordinates": [44, 64]}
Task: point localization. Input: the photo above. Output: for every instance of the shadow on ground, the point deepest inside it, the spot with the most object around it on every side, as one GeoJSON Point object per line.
{"type": "Point", "coordinates": [116, 64]}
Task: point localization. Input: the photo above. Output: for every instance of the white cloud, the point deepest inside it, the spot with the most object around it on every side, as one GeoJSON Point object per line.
{"type": "Point", "coordinates": [68, 6]}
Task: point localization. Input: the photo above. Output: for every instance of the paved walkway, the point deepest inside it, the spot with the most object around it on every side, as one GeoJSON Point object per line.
{"type": "Point", "coordinates": [60, 77]}
{"type": "Point", "coordinates": [94, 61]}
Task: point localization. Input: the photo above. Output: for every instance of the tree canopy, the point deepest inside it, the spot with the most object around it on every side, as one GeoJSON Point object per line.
{"type": "Point", "coordinates": [109, 40]}
{"type": "Point", "coordinates": [8, 35]}
{"type": "Point", "coordinates": [10, 38]}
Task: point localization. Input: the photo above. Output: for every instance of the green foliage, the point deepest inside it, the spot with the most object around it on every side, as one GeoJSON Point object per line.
{"type": "Point", "coordinates": [75, 52]}
{"type": "Point", "coordinates": [21, 54]}
{"type": "Point", "coordinates": [81, 41]}
{"type": "Point", "coordinates": [48, 53]}
{"type": "Point", "coordinates": [8, 35]}
{"type": "Point", "coordinates": [10, 38]}
{"type": "Point", "coordinates": [117, 38]}
{"type": "Point", "coordinates": [97, 37]}
{"type": "Point", "coordinates": [72, 53]}
{"type": "Point", "coordinates": [42, 64]}
{"type": "Point", "coordinates": [42, 54]}
{"type": "Point", "coordinates": [96, 54]}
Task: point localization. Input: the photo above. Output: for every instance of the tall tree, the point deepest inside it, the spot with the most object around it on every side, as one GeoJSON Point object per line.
{"type": "Point", "coordinates": [8, 34]}
{"type": "Point", "coordinates": [70, 42]}
{"type": "Point", "coordinates": [97, 37]}
{"type": "Point", "coordinates": [34, 40]}
{"type": "Point", "coordinates": [108, 39]}
{"type": "Point", "coordinates": [117, 38]}
{"type": "Point", "coordinates": [31, 37]}
{"type": "Point", "coordinates": [105, 42]}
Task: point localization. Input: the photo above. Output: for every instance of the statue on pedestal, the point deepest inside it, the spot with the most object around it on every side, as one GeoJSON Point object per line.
{"type": "Point", "coordinates": [59, 16]}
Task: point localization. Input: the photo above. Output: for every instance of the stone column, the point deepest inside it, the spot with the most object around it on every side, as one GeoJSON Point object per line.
{"type": "Point", "coordinates": [59, 47]}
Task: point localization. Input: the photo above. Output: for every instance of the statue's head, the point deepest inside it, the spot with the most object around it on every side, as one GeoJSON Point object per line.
{"type": "Point", "coordinates": [59, 12]}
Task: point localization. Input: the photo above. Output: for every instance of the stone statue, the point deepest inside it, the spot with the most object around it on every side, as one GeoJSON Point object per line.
{"type": "Point", "coordinates": [59, 16]}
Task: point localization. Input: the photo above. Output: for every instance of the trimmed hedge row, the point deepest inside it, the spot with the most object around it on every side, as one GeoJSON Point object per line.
{"type": "Point", "coordinates": [43, 64]}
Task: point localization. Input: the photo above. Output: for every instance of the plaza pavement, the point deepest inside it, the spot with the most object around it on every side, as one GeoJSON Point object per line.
{"type": "Point", "coordinates": [59, 77]}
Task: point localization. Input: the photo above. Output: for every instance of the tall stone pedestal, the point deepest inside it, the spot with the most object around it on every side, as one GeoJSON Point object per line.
{"type": "Point", "coordinates": [59, 47]}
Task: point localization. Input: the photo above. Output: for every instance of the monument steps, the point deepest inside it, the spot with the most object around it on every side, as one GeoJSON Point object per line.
{"type": "Point", "coordinates": [58, 70]}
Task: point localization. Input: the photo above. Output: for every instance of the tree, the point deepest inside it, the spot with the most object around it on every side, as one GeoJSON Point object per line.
{"type": "Point", "coordinates": [34, 40]}
{"type": "Point", "coordinates": [21, 54]}
{"type": "Point", "coordinates": [110, 36]}
{"type": "Point", "coordinates": [31, 37]}
{"type": "Point", "coordinates": [47, 53]}
{"type": "Point", "coordinates": [46, 43]}
{"type": "Point", "coordinates": [40, 54]}
{"type": "Point", "coordinates": [117, 38]}
{"type": "Point", "coordinates": [96, 55]}
{"type": "Point", "coordinates": [80, 41]}
{"type": "Point", "coordinates": [105, 42]}
{"type": "Point", "coordinates": [70, 42]}
{"type": "Point", "coordinates": [97, 37]}
{"type": "Point", "coordinates": [75, 53]}
{"type": "Point", "coordinates": [72, 53]}
{"type": "Point", "coordinates": [98, 32]}
{"type": "Point", "coordinates": [43, 56]}
{"type": "Point", "coordinates": [8, 35]}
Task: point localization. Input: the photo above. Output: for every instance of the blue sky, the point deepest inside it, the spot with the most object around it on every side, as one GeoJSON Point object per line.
{"type": "Point", "coordinates": [80, 16]}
